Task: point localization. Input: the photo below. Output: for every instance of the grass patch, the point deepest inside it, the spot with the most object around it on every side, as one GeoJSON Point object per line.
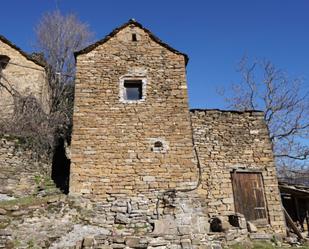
{"type": "Point", "coordinates": [263, 245]}
{"type": "Point", "coordinates": [26, 201]}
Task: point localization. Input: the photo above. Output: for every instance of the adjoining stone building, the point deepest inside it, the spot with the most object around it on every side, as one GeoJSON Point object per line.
{"type": "Point", "coordinates": [239, 173]}
{"type": "Point", "coordinates": [22, 73]}
{"type": "Point", "coordinates": [141, 157]}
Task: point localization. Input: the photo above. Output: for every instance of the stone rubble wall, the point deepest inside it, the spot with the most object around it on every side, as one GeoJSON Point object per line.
{"type": "Point", "coordinates": [31, 78]}
{"type": "Point", "coordinates": [35, 222]}
{"type": "Point", "coordinates": [61, 222]}
{"type": "Point", "coordinates": [228, 141]}
{"type": "Point", "coordinates": [21, 172]}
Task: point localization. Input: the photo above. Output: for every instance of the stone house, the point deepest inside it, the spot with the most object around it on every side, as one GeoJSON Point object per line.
{"type": "Point", "coordinates": [143, 159]}
{"type": "Point", "coordinates": [22, 73]}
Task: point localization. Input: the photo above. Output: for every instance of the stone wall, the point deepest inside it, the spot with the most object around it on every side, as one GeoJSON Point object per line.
{"type": "Point", "coordinates": [116, 169]}
{"type": "Point", "coordinates": [22, 74]}
{"type": "Point", "coordinates": [124, 191]}
{"type": "Point", "coordinates": [113, 152]}
{"type": "Point", "coordinates": [61, 222]}
{"type": "Point", "coordinates": [229, 141]}
{"type": "Point", "coordinates": [21, 172]}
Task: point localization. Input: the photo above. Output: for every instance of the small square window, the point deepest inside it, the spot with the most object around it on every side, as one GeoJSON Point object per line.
{"type": "Point", "coordinates": [133, 89]}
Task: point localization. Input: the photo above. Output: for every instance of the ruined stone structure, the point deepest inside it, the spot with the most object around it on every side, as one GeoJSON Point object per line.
{"type": "Point", "coordinates": [21, 172]}
{"type": "Point", "coordinates": [22, 73]}
{"type": "Point", "coordinates": [133, 156]}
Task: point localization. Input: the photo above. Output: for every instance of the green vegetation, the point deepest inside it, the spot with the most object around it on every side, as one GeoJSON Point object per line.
{"type": "Point", "coordinates": [120, 227]}
{"type": "Point", "coordinates": [4, 224]}
{"type": "Point", "coordinates": [263, 245]}
{"type": "Point", "coordinates": [16, 243]}
{"type": "Point", "coordinates": [44, 182]}
{"type": "Point", "coordinates": [19, 140]}
{"type": "Point", "coordinates": [37, 179]}
{"type": "Point", "coordinates": [32, 245]}
{"type": "Point", "coordinates": [26, 201]}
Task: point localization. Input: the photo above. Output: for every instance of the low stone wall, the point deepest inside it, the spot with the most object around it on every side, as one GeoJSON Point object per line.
{"type": "Point", "coordinates": [60, 222]}
{"type": "Point", "coordinates": [228, 142]}
{"type": "Point", "coordinates": [21, 172]}
{"type": "Point", "coordinates": [35, 222]}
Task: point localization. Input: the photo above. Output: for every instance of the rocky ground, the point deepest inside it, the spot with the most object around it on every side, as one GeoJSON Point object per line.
{"type": "Point", "coordinates": [57, 221]}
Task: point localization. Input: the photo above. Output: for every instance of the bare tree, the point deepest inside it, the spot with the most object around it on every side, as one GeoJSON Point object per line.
{"type": "Point", "coordinates": [28, 122]}
{"type": "Point", "coordinates": [58, 37]}
{"type": "Point", "coordinates": [285, 103]}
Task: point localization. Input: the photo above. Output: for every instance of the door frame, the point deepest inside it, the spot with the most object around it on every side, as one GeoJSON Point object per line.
{"type": "Point", "coordinates": [261, 222]}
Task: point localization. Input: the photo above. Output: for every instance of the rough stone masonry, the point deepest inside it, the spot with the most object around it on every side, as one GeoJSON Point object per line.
{"type": "Point", "coordinates": [132, 152]}
{"type": "Point", "coordinates": [231, 142]}
{"type": "Point", "coordinates": [113, 143]}
{"type": "Point", "coordinates": [22, 73]}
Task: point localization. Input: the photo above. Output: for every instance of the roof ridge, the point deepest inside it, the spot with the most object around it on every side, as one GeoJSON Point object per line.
{"type": "Point", "coordinates": [28, 56]}
{"type": "Point", "coordinates": [220, 110]}
{"type": "Point", "coordinates": [116, 30]}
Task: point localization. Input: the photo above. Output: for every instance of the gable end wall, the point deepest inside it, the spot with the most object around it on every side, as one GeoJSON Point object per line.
{"type": "Point", "coordinates": [112, 142]}
{"type": "Point", "coordinates": [26, 77]}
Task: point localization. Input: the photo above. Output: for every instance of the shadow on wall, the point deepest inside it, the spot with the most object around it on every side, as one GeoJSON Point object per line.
{"type": "Point", "coordinates": [61, 168]}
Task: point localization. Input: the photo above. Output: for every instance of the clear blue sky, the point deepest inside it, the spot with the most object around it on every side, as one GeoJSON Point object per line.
{"type": "Point", "coordinates": [215, 34]}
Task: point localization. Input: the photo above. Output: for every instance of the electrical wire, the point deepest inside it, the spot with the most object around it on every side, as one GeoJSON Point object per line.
{"type": "Point", "coordinates": [16, 64]}
{"type": "Point", "coordinates": [199, 180]}
{"type": "Point", "coordinates": [19, 65]}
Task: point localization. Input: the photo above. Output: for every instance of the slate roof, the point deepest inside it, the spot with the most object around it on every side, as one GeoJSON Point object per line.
{"type": "Point", "coordinates": [299, 190]}
{"type": "Point", "coordinates": [28, 57]}
{"type": "Point", "coordinates": [230, 111]}
{"type": "Point", "coordinates": [137, 24]}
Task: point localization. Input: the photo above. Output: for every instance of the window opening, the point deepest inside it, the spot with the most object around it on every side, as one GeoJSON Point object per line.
{"type": "Point", "coordinates": [133, 89]}
{"type": "Point", "coordinates": [134, 38]}
{"type": "Point", "coordinates": [4, 60]}
{"type": "Point", "coordinates": [158, 145]}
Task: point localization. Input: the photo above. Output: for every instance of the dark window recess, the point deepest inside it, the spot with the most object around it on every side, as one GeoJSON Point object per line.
{"type": "Point", "coordinates": [4, 60]}
{"type": "Point", "coordinates": [216, 225]}
{"type": "Point", "coordinates": [134, 38]}
{"type": "Point", "coordinates": [133, 89]}
{"type": "Point", "coordinates": [158, 145]}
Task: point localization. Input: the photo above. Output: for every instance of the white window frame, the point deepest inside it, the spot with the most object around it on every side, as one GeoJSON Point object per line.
{"type": "Point", "coordinates": [122, 90]}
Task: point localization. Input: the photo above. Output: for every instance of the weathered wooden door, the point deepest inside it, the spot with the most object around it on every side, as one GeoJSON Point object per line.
{"type": "Point", "coordinates": [249, 195]}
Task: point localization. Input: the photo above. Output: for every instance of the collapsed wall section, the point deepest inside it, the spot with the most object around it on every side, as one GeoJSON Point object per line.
{"type": "Point", "coordinates": [239, 173]}
{"type": "Point", "coordinates": [21, 172]}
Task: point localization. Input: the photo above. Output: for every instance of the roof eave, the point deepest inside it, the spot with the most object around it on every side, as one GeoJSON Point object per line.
{"type": "Point", "coordinates": [26, 55]}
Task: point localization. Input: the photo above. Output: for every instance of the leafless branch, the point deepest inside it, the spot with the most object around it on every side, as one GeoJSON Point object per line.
{"type": "Point", "coordinates": [58, 36]}
{"type": "Point", "coordinates": [285, 102]}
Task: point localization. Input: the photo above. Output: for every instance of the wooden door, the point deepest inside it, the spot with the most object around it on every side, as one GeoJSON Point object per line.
{"type": "Point", "coordinates": [249, 195]}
